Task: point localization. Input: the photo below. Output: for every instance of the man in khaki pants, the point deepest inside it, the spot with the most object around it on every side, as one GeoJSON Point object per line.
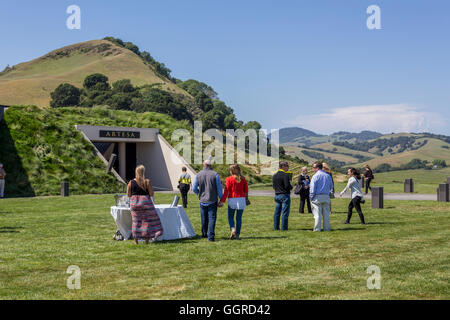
{"type": "Point", "coordinates": [2, 181]}
{"type": "Point", "coordinates": [320, 187]}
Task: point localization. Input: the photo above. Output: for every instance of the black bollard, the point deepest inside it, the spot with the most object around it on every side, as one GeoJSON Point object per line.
{"type": "Point", "coordinates": [443, 192]}
{"type": "Point", "coordinates": [409, 186]}
{"type": "Point", "coordinates": [65, 188]}
{"type": "Point", "coordinates": [362, 182]}
{"type": "Point", "coordinates": [377, 198]}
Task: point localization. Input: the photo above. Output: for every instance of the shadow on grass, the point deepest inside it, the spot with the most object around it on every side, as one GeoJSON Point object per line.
{"type": "Point", "coordinates": [218, 239]}
{"type": "Point", "coordinates": [258, 238]}
{"type": "Point", "coordinates": [382, 223]}
{"type": "Point", "coordinates": [10, 229]}
{"type": "Point", "coordinates": [349, 229]}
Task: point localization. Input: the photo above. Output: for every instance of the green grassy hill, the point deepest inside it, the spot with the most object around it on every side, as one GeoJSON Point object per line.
{"type": "Point", "coordinates": [419, 146]}
{"type": "Point", "coordinates": [30, 83]}
{"type": "Point", "coordinates": [432, 150]}
{"type": "Point", "coordinates": [298, 151]}
{"type": "Point", "coordinates": [41, 148]}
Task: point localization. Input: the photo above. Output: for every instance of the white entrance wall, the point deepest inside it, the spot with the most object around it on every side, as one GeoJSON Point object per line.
{"type": "Point", "coordinates": [163, 164]}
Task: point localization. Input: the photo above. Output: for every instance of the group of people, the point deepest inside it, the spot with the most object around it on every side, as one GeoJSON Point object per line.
{"type": "Point", "coordinates": [208, 187]}
{"type": "Point", "coordinates": [316, 193]}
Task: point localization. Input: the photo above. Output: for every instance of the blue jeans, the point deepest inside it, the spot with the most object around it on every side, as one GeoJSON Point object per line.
{"type": "Point", "coordinates": [282, 207]}
{"type": "Point", "coordinates": [238, 219]}
{"type": "Point", "coordinates": [208, 216]}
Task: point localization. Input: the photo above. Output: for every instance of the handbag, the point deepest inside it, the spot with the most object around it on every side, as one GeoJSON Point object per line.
{"type": "Point", "coordinates": [247, 200]}
{"type": "Point", "coordinates": [332, 194]}
{"type": "Point", "coordinates": [298, 188]}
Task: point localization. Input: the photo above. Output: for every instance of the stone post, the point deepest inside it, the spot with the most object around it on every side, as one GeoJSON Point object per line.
{"type": "Point", "coordinates": [65, 188]}
{"type": "Point", "coordinates": [409, 186]}
{"type": "Point", "coordinates": [377, 198]}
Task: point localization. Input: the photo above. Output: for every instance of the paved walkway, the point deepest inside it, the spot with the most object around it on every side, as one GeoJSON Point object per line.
{"type": "Point", "coordinates": [387, 196]}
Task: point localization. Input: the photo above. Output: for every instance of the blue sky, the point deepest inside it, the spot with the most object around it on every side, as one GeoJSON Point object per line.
{"type": "Point", "coordinates": [312, 64]}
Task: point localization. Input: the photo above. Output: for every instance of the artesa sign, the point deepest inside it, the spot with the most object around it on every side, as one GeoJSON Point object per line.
{"type": "Point", "coordinates": [120, 134]}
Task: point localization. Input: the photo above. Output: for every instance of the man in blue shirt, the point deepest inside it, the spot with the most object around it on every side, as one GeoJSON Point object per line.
{"type": "Point", "coordinates": [208, 187]}
{"type": "Point", "coordinates": [320, 187]}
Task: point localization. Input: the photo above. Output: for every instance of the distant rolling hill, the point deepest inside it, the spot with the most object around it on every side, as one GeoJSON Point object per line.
{"type": "Point", "coordinates": [367, 147]}
{"type": "Point", "coordinates": [291, 134]}
{"type": "Point", "coordinates": [30, 83]}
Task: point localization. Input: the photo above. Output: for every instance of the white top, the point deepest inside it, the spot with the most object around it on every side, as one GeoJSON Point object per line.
{"type": "Point", "coordinates": [355, 187]}
{"type": "Point", "coordinates": [237, 203]}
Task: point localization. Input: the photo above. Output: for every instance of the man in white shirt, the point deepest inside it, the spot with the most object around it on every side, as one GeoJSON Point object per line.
{"type": "Point", "coordinates": [320, 188]}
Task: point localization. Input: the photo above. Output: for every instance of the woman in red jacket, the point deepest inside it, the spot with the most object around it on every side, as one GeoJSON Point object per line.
{"type": "Point", "coordinates": [236, 190]}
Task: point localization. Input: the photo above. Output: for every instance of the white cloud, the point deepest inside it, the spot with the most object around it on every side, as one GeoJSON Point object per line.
{"type": "Point", "coordinates": [380, 118]}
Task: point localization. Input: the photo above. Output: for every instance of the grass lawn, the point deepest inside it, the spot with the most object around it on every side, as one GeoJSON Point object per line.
{"type": "Point", "coordinates": [41, 237]}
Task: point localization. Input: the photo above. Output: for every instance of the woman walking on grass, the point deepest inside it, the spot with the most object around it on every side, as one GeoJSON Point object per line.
{"type": "Point", "coordinates": [236, 189]}
{"type": "Point", "coordinates": [146, 222]}
{"type": "Point", "coordinates": [357, 196]}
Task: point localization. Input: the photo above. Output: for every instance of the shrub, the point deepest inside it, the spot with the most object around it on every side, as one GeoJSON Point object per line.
{"type": "Point", "coordinates": [65, 95]}
{"type": "Point", "coordinates": [96, 81]}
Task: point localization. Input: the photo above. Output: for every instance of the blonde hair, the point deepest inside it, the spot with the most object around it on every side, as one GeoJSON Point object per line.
{"type": "Point", "coordinates": [140, 177]}
{"type": "Point", "coordinates": [326, 168]}
{"type": "Point", "coordinates": [235, 171]}
{"type": "Point", "coordinates": [303, 169]}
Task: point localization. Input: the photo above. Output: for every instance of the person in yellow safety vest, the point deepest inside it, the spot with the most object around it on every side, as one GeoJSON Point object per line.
{"type": "Point", "coordinates": [184, 184]}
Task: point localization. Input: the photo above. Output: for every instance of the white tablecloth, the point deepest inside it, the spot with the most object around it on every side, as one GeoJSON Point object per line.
{"type": "Point", "coordinates": [174, 220]}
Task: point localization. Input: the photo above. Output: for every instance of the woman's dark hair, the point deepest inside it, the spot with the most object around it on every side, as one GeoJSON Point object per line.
{"type": "Point", "coordinates": [356, 173]}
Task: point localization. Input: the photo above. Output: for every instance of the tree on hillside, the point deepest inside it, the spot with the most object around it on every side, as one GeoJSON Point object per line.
{"type": "Point", "coordinates": [96, 81]}
{"type": "Point", "coordinates": [163, 102]}
{"type": "Point", "coordinates": [384, 167]}
{"type": "Point", "coordinates": [132, 47]}
{"type": "Point", "coordinates": [439, 163]}
{"type": "Point", "coordinates": [65, 95]}
{"type": "Point", "coordinates": [196, 88]}
{"type": "Point", "coordinates": [96, 90]}
{"type": "Point", "coordinates": [123, 86]}
{"type": "Point", "coordinates": [252, 125]}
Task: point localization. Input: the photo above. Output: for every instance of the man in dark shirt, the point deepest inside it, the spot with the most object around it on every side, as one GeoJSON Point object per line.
{"type": "Point", "coordinates": [282, 186]}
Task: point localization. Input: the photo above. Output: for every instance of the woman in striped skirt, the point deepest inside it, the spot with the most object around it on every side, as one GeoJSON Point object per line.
{"type": "Point", "coordinates": [146, 222]}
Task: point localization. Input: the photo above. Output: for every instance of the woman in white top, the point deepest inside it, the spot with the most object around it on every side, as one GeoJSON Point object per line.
{"type": "Point", "coordinates": [357, 196]}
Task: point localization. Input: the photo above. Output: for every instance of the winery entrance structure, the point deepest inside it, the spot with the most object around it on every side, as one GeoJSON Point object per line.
{"type": "Point", "coordinates": [135, 146]}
